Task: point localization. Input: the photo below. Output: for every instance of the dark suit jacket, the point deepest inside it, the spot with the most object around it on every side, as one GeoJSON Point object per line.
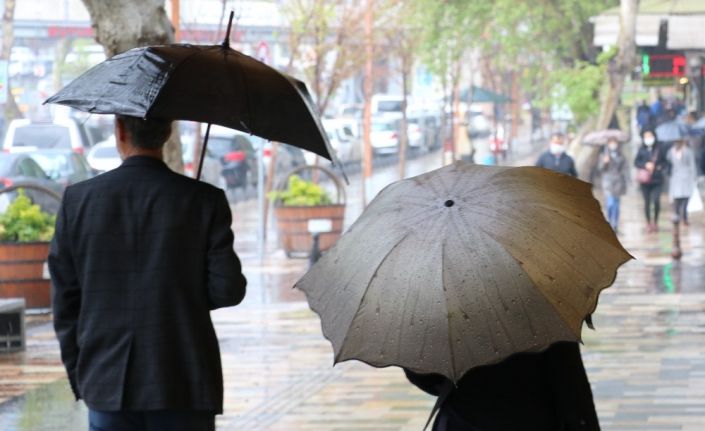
{"type": "Point", "coordinates": [562, 163]}
{"type": "Point", "coordinates": [546, 391]}
{"type": "Point", "coordinates": [139, 257]}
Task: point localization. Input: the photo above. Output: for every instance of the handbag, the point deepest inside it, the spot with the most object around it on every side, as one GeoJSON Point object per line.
{"type": "Point", "coordinates": [643, 175]}
{"type": "Point", "coordinates": [695, 203]}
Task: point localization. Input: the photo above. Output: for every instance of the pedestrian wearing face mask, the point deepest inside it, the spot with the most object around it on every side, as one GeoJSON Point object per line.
{"type": "Point", "coordinates": [651, 167]}
{"type": "Point", "coordinates": [556, 158]}
{"type": "Point", "coordinates": [683, 175]}
{"type": "Point", "coordinates": [613, 167]}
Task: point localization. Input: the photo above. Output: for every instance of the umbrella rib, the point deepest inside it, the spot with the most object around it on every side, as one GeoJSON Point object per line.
{"type": "Point", "coordinates": [367, 287]}
{"type": "Point", "coordinates": [445, 296]}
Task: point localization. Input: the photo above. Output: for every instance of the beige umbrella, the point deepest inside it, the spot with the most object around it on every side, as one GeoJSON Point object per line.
{"type": "Point", "coordinates": [464, 266]}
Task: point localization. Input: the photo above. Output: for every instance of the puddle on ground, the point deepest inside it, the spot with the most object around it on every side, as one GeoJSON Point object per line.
{"type": "Point", "coordinates": [49, 407]}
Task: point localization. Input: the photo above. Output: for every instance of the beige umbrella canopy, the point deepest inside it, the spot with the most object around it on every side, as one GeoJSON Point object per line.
{"type": "Point", "coordinates": [464, 266]}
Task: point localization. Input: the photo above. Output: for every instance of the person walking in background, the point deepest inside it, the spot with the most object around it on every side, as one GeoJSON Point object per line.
{"type": "Point", "coordinates": [613, 167]}
{"type": "Point", "coordinates": [555, 158]}
{"type": "Point", "coordinates": [140, 256]}
{"type": "Point", "coordinates": [651, 167]}
{"type": "Point", "coordinates": [682, 182]}
{"type": "Point", "coordinates": [643, 116]}
{"type": "Point", "coordinates": [546, 391]}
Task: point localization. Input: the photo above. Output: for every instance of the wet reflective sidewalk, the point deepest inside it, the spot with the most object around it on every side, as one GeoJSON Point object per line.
{"type": "Point", "coordinates": [646, 359]}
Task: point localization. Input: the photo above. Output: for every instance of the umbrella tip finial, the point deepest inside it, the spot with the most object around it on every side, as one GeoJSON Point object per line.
{"type": "Point", "coordinates": [226, 41]}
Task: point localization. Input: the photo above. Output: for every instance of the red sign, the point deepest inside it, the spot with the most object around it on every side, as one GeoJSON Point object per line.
{"type": "Point", "coordinates": [666, 65]}
{"type": "Point", "coordinates": [56, 31]}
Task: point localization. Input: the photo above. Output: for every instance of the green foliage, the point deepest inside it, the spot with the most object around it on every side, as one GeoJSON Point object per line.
{"type": "Point", "coordinates": [579, 88]}
{"type": "Point", "coordinates": [25, 222]}
{"type": "Point", "coordinates": [301, 193]}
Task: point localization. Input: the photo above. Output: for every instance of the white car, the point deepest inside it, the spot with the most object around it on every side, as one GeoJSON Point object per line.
{"type": "Point", "coordinates": [343, 138]}
{"type": "Point", "coordinates": [25, 135]}
{"type": "Point", "coordinates": [384, 136]}
{"type": "Point", "coordinates": [104, 156]}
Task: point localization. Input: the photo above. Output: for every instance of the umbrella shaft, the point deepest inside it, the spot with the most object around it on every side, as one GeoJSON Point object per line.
{"type": "Point", "coordinates": [203, 152]}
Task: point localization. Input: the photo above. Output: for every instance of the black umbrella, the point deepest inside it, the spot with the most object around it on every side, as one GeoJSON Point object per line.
{"type": "Point", "coordinates": [212, 84]}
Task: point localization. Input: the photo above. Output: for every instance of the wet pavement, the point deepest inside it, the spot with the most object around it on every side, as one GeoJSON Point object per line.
{"type": "Point", "coordinates": [646, 359]}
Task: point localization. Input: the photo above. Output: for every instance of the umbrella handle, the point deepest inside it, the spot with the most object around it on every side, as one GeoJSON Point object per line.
{"type": "Point", "coordinates": [203, 152]}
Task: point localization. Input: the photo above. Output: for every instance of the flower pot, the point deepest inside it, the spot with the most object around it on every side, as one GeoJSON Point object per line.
{"type": "Point", "coordinates": [292, 221]}
{"type": "Point", "coordinates": [22, 273]}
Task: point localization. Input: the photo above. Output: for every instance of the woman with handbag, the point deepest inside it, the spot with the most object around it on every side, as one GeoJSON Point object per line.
{"type": "Point", "coordinates": [651, 167]}
{"type": "Point", "coordinates": [683, 176]}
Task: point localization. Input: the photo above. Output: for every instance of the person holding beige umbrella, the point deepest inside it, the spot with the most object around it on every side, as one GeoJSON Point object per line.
{"type": "Point", "coordinates": [464, 267]}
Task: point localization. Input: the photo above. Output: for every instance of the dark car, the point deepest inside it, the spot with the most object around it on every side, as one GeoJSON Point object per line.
{"type": "Point", "coordinates": [20, 168]}
{"type": "Point", "coordinates": [63, 166]}
{"type": "Point", "coordinates": [236, 154]}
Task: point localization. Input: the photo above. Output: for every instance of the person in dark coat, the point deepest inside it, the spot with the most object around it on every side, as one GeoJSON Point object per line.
{"type": "Point", "coordinates": [547, 391]}
{"type": "Point", "coordinates": [556, 159]}
{"type": "Point", "coordinates": [651, 157]}
{"type": "Point", "coordinates": [140, 256]}
{"type": "Point", "coordinates": [613, 167]}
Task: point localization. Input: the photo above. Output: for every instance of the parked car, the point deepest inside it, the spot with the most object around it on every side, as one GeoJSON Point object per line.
{"type": "Point", "coordinates": [384, 136]}
{"type": "Point", "coordinates": [20, 168]}
{"type": "Point", "coordinates": [237, 155]}
{"type": "Point", "coordinates": [212, 172]}
{"type": "Point", "coordinates": [104, 156]}
{"type": "Point", "coordinates": [61, 133]}
{"type": "Point", "coordinates": [63, 166]}
{"type": "Point", "coordinates": [343, 139]}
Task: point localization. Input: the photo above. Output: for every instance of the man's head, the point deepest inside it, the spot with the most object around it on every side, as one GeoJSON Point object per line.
{"type": "Point", "coordinates": [138, 136]}
{"type": "Point", "coordinates": [557, 144]}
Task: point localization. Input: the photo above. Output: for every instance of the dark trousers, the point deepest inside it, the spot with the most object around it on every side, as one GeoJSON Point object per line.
{"type": "Point", "coordinates": [652, 198]}
{"type": "Point", "coordinates": [159, 420]}
{"type": "Point", "coordinates": [680, 209]}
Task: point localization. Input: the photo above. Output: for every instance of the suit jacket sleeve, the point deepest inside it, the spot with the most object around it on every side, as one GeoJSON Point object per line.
{"type": "Point", "coordinates": [226, 284]}
{"type": "Point", "coordinates": [66, 297]}
{"type": "Point", "coordinates": [571, 388]}
{"type": "Point", "coordinates": [541, 161]}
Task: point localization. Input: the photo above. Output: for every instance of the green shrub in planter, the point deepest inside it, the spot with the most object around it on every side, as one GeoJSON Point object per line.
{"type": "Point", "coordinates": [301, 193]}
{"type": "Point", "coordinates": [25, 222]}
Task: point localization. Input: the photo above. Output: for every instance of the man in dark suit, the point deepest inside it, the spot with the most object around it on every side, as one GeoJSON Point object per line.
{"type": "Point", "coordinates": [139, 257]}
{"type": "Point", "coordinates": [556, 159]}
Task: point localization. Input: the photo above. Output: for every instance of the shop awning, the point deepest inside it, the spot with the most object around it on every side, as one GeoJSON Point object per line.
{"type": "Point", "coordinates": [685, 18]}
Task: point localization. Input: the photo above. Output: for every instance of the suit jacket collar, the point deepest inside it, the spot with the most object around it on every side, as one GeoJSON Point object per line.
{"type": "Point", "coordinates": [143, 161]}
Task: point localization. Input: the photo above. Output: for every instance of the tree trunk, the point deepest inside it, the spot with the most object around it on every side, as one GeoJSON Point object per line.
{"type": "Point", "coordinates": [404, 127]}
{"type": "Point", "coordinates": [586, 155]}
{"type": "Point", "coordinates": [120, 25]}
{"type": "Point", "coordinates": [8, 39]}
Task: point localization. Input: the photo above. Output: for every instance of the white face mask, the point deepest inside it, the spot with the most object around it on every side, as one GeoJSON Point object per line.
{"type": "Point", "coordinates": [614, 147]}
{"type": "Point", "coordinates": [557, 149]}
{"type": "Point", "coordinates": [649, 141]}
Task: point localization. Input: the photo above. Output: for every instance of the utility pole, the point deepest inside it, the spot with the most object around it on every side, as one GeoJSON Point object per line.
{"type": "Point", "coordinates": [367, 113]}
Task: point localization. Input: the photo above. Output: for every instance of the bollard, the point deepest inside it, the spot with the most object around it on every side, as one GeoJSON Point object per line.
{"type": "Point", "coordinates": [315, 251]}
{"type": "Point", "coordinates": [676, 251]}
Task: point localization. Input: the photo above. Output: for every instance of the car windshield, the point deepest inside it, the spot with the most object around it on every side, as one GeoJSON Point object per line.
{"type": "Point", "coordinates": [42, 136]}
{"type": "Point", "coordinates": [220, 146]}
{"type": "Point", "coordinates": [382, 127]}
{"type": "Point", "coordinates": [55, 165]}
{"type": "Point", "coordinates": [389, 106]}
{"type": "Point", "coordinates": [105, 152]}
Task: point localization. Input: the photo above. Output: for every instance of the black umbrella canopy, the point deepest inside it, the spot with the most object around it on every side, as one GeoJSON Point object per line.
{"type": "Point", "coordinates": [205, 83]}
